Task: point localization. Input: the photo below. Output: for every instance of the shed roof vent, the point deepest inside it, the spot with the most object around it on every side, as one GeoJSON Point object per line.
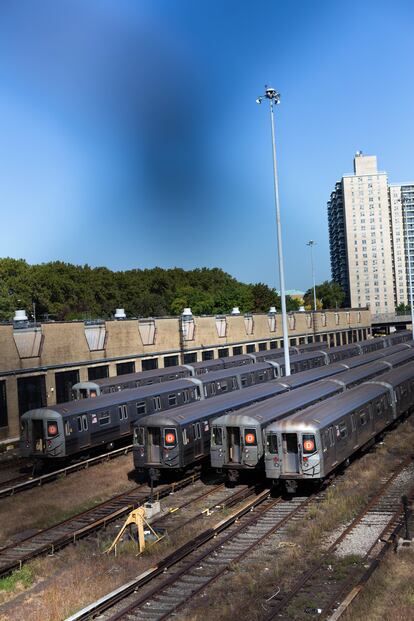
{"type": "Point", "coordinates": [20, 315]}
{"type": "Point", "coordinates": [120, 313]}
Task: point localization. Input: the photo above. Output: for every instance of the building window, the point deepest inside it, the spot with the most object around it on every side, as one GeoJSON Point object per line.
{"type": "Point", "coordinates": [170, 361]}
{"type": "Point", "coordinates": [150, 364]}
{"type": "Point", "coordinates": [208, 354]}
{"type": "Point", "coordinates": [95, 373]}
{"type": "Point", "coordinates": [191, 357]}
{"type": "Point", "coordinates": [123, 368]}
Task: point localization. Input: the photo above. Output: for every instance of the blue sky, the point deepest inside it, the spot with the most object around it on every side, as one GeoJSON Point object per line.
{"type": "Point", "coordinates": [130, 137]}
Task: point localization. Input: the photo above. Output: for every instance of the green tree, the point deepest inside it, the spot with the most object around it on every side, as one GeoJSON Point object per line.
{"type": "Point", "coordinates": [330, 293]}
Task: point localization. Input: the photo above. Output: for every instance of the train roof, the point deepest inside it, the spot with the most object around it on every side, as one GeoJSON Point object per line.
{"type": "Point", "coordinates": [130, 377]}
{"type": "Point", "coordinates": [330, 411]}
{"type": "Point", "coordinates": [396, 376]}
{"type": "Point", "coordinates": [306, 377]}
{"type": "Point", "coordinates": [282, 405]}
{"type": "Point", "coordinates": [359, 374]}
{"type": "Point", "coordinates": [81, 406]}
{"type": "Point", "coordinates": [237, 358]}
{"type": "Point", "coordinates": [406, 354]}
{"type": "Point", "coordinates": [357, 361]}
{"type": "Point", "coordinates": [232, 371]}
{"type": "Point", "coordinates": [201, 410]}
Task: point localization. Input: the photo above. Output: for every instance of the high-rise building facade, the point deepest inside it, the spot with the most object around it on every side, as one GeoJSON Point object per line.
{"type": "Point", "coordinates": [368, 237]}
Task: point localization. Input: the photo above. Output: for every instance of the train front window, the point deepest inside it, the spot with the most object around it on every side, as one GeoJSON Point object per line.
{"type": "Point", "coordinates": [170, 438]}
{"type": "Point", "coordinates": [217, 436]}
{"type": "Point", "coordinates": [272, 443]}
{"type": "Point", "coordinates": [52, 428]}
{"type": "Point", "coordinates": [250, 437]}
{"type": "Point", "coordinates": [309, 444]}
{"type": "Point", "coordinates": [139, 436]}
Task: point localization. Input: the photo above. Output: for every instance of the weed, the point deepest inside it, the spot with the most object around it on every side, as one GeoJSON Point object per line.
{"type": "Point", "coordinates": [22, 577]}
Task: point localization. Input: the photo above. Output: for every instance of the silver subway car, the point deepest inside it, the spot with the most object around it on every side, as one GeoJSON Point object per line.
{"type": "Point", "coordinates": [311, 444]}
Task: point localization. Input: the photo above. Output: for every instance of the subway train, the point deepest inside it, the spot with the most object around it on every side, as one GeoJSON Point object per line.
{"type": "Point", "coordinates": [188, 429]}
{"type": "Point", "coordinates": [312, 443]}
{"type": "Point", "coordinates": [69, 428]}
{"type": "Point", "coordinates": [86, 389]}
{"type": "Point", "coordinates": [242, 445]}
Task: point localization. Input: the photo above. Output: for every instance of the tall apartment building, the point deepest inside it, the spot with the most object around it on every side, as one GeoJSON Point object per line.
{"type": "Point", "coordinates": [368, 236]}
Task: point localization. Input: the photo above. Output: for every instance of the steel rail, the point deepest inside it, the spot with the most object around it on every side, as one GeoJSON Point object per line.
{"type": "Point", "coordinates": [310, 573]}
{"type": "Point", "coordinates": [349, 592]}
{"type": "Point", "coordinates": [122, 592]}
{"type": "Point", "coordinates": [17, 487]}
{"type": "Point", "coordinates": [56, 537]}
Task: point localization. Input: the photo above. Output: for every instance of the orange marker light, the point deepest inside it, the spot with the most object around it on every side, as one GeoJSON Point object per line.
{"type": "Point", "coordinates": [250, 438]}
{"type": "Point", "coordinates": [309, 445]}
{"type": "Point", "coordinates": [169, 438]}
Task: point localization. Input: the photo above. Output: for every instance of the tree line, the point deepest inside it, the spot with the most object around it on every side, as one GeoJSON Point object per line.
{"type": "Point", "coordinates": [63, 291]}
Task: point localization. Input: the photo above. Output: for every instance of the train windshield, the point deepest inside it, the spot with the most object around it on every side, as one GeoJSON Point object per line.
{"type": "Point", "coordinates": [217, 436]}
{"type": "Point", "coordinates": [52, 429]}
{"type": "Point", "coordinates": [139, 436]}
{"type": "Point", "coordinates": [170, 438]}
{"type": "Point", "coordinates": [250, 437]}
{"type": "Point", "coordinates": [271, 442]}
{"type": "Point", "coordinates": [309, 444]}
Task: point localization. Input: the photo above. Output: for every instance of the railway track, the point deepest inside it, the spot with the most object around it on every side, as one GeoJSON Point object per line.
{"type": "Point", "coordinates": [51, 539]}
{"type": "Point", "coordinates": [326, 580]}
{"type": "Point", "coordinates": [23, 483]}
{"type": "Point", "coordinates": [195, 565]}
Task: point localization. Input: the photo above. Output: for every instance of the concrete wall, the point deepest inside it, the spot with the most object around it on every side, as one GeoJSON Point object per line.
{"type": "Point", "coordinates": [57, 347]}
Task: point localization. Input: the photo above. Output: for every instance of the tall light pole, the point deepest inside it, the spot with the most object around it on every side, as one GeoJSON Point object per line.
{"type": "Point", "coordinates": [311, 244]}
{"type": "Point", "coordinates": [274, 98]}
{"type": "Point", "coordinates": [407, 241]}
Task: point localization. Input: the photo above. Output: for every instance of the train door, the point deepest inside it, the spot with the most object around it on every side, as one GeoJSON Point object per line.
{"type": "Point", "coordinates": [154, 445]}
{"type": "Point", "coordinates": [124, 428]}
{"type": "Point", "coordinates": [198, 441]}
{"type": "Point", "coordinates": [290, 453]}
{"type": "Point", "coordinates": [234, 444]}
{"type": "Point", "coordinates": [38, 436]}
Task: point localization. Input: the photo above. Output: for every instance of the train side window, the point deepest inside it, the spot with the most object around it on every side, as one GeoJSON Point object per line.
{"type": "Point", "coordinates": [325, 440]}
{"type": "Point", "coordinates": [157, 403]}
{"type": "Point", "coordinates": [104, 419]}
{"type": "Point", "coordinates": [141, 408]}
{"type": "Point", "coordinates": [342, 430]}
{"type": "Point", "coordinates": [205, 390]}
{"type": "Point", "coordinates": [331, 436]}
{"type": "Point", "coordinates": [186, 396]}
{"type": "Point", "coordinates": [353, 427]}
{"type": "Point", "coordinates": [185, 437]}
{"type": "Point", "coordinates": [271, 442]}
{"type": "Point", "coordinates": [172, 400]}
{"type": "Point", "coordinates": [217, 436]}
{"type": "Point", "coordinates": [260, 377]}
{"type": "Point", "coordinates": [79, 421]}
{"type": "Point", "coordinates": [85, 422]}
{"type": "Point", "coordinates": [123, 412]}
{"type": "Point", "coordinates": [139, 436]}
{"type": "Point", "coordinates": [379, 407]}
{"type": "Point", "coordinates": [197, 431]}
{"type": "Point", "coordinates": [234, 383]}
{"type": "Point", "coordinates": [67, 428]}
{"type": "Point", "coordinates": [363, 418]}
{"type": "Point", "coordinates": [223, 386]}
{"type": "Point", "coordinates": [244, 381]}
